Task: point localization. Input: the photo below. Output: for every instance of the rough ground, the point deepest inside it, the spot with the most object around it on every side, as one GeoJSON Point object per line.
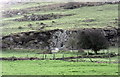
{"type": "Point", "coordinates": [100, 15]}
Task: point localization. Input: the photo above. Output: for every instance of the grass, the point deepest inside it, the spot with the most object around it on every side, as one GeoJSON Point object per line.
{"type": "Point", "coordinates": [33, 52]}
{"type": "Point", "coordinates": [49, 67]}
{"type": "Point", "coordinates": [25, 5]}
{"type": "Point", "coordinates": [102, 19]}
{"type": "Point", "coordinates": [55, 67]}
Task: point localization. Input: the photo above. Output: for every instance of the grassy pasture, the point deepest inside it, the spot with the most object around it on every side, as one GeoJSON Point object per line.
{"type": "Point", "coordinates": [56, 67]}
{"type": "Point", "coordinates": [35, 52]}
{"type": "Point", "coordinates": [31, 53]}
{"type": "Point", "coordinates": [104, 15]}
{"type": "Point", "coordinates": [53, 67]}
{"type": "Point", "coordinates": [29, 5]}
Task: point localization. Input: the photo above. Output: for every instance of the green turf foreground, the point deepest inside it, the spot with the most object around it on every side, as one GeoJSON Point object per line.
{"type": "Point", "coordinates": [56, 67]}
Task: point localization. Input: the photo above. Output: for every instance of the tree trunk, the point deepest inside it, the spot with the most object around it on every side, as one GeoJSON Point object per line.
{"type": "Point", "coordinates": [89, 57]}
{"type": "Point", "coordinates": [96, 52]}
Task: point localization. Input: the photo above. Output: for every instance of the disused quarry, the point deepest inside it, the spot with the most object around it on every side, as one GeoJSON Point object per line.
{"type": "Point", "coordinates": [52, 39]}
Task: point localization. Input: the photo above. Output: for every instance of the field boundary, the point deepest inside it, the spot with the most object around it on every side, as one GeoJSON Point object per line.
{"type": "Point", "coordinates": [63, 58]}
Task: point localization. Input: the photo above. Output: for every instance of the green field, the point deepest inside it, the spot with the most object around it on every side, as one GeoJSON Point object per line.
{"type": "Point", "coordinates": [103, 18]}
{"type": "Point", "coordinates": [28, 5]}
{"type": "Point", "coordinates": [103, 15]}
{"type": "Point", "coordinates": [38, 52]}
{"type": "Point", "coordinates": [48, 67]}
{"type": "Point", "coordinates": [57, 67]}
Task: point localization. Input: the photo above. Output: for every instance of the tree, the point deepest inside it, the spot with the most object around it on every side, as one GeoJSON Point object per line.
{"type": "Point", "coordinates": [72, 42]}
{"type": "Point", "coordinates": [92, 39]}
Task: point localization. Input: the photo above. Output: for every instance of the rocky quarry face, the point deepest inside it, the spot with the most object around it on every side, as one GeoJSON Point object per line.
{"type": "Point", "coordinates": [51, 39]}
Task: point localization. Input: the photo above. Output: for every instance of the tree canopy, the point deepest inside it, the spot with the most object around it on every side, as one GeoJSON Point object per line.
{"type": "Point", "coordinates": [92, 39]}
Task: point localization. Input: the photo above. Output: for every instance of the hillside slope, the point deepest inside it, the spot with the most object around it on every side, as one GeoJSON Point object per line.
{"type": "Point", "coordinates": [91, 15]}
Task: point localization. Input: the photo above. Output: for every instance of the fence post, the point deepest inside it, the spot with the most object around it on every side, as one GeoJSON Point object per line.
{"type": "Point", "coordinates": [63, 56]}
{"type": "Point", "coordinates": [109, 56]}
{"type": "Point", "coordinates": [77, 56]}
{"type": "Point", "coordinates": [45, 56]}
{"type": "Point", "coordinates": [53, 56]}
{"type": "Point", "coordinates": [27, 56]}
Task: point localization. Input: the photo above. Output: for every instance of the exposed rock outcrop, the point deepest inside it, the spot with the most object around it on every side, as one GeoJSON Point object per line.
{"type": "Point", "coordinates": [51, 39]}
